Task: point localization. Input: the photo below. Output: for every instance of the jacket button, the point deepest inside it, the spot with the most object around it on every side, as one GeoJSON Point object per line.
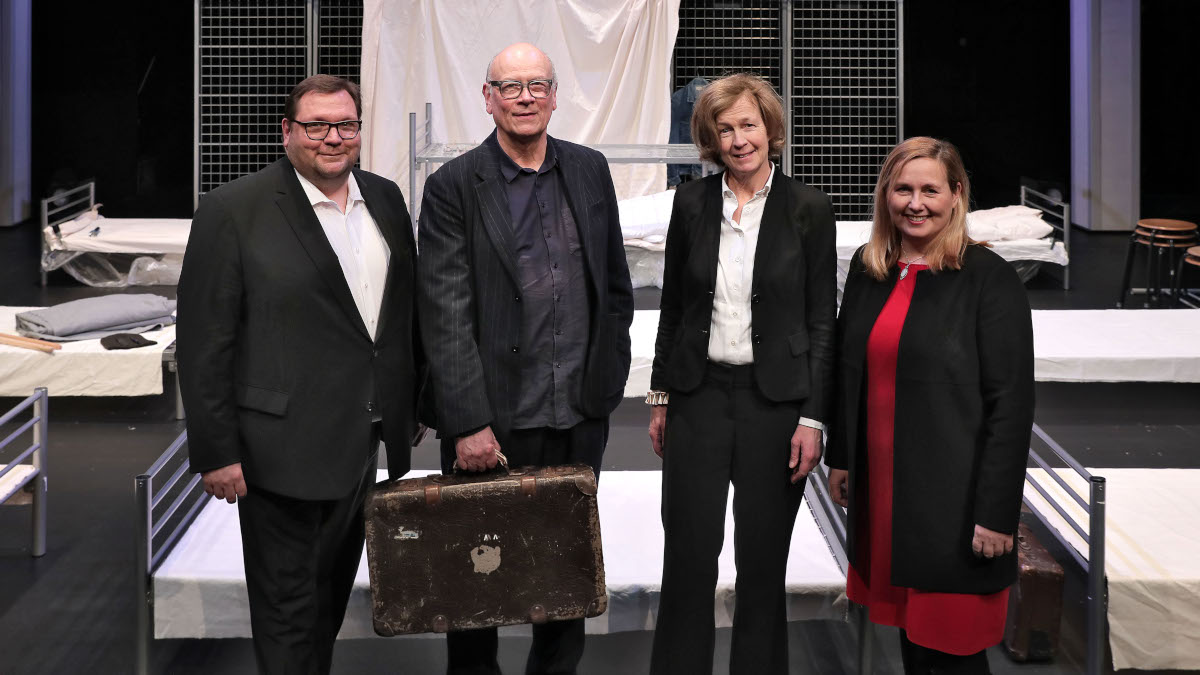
{"type": "Point", "coordinates": [754, 298]}
{"type": "Point", "coordinates": [375, 353]}
{"type": "Point", "coordinates": [516, 298]}
{"type": "Point", "coordinates": [370, 406]}
{"type": "Point", "coordinates": [516, 349]}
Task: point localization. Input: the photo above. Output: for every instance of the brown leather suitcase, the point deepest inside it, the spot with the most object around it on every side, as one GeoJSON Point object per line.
{"type": "Point", "coordinates": [1034, 603]}
{"type": "Point", "coordinates": [466, 551]}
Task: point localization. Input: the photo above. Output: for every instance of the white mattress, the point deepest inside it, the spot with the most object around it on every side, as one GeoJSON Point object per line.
{"type": "Point", "coordinates": [1152, 560]}
{"type": "Point", "coordinates": [123, 235]}
{"type": "Point", "coordinates": [200, 592]}
{"type": "Point", "coordinates": [82, 368]}
{"type": "Point", "coordinates": [1108, 345]}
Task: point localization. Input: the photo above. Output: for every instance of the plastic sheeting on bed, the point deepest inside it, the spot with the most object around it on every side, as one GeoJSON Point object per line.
{"type": "Point", "coordinates": [200, 589]}
{"type": "Point", "coordinates": [1152, 561]}
{"type": "Point", "coordinates": [1109, 345]}
{"type": "Point", "coordinates": [114, 252]}
{"type": "Point", "coordinates": [82, 368]}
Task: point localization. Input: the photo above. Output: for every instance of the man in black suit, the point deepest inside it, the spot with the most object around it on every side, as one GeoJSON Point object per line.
{"type": "Point", "coordinates": [526, 303]}
{"type": "Point", "coordinates": [297, 354]}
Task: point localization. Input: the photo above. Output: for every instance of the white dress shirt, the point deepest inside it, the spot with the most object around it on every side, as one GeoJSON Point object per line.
{"type": "Point", "coordinates": [358, 244]}
{"type": "Point", "coordinates": [729, 336]}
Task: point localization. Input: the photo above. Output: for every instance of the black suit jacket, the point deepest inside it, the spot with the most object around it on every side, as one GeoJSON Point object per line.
{"type": "Point", "coordinates": [793, 293]}
{"type": "Point", "coordinates": [470, 298]}
{"type": "Point", "coordinates": [276, 367]}
{"type": "Point", "coordinates": [964, 413]}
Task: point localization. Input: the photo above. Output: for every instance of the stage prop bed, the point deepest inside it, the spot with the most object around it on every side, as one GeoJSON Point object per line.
{"type": "Point", "coordinates": [1027, 235]}
{"type": "Point", "coordinates": [1108, 345]}
{"type": "Point", "coordinates": [84, 368]}
{"type": "Point", "coordinates": [190, 579]}
{"type": "Point", "coordinates": [109, 252]}
{"type": "Point", "coordinates": [23, 468]}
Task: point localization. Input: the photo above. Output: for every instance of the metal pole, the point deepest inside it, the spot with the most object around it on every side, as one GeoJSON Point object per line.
{"type": "Point", "coordinates": [310, 44]}
{"type": "Point", "coordinates": [41, 437]}
{"type": "Point", "coordinates": [145, 600]}
{"type": "Point", "coordinates": [412, 168]}
{"type": "Point", "coordinates": [1097, 587]}
{"type": "Point", "coordinates": [866, 639]}
{"type": "Point", "coordinates": [787, 85]}
{"type": "Point", "coordinates": [899, 70]}
{"type": "Point", "coordinates": [195, 107]}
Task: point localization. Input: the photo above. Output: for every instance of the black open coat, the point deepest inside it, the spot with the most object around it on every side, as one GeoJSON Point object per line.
{"type": "Point", "coordinates": [964, 413]}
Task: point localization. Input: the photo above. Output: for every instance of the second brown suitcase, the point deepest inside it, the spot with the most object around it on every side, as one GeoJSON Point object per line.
{"type": "Point", "coordinates": [467, 551]}
{"type": "Point", "coordinates": [1034, 603]}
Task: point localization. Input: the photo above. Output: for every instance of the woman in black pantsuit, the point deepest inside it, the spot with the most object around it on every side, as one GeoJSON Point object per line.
{"type": "Point", "coordinates": [742, 378]}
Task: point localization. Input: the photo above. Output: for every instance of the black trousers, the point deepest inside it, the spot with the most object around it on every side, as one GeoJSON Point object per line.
{"type": "Point", "coordinates": [920, 660]}
{"type": "Point", "coordinates": [558, 645]}
{"type": "Point", "coordinates": [301, 558]}
{"type": "Point", "coordinates": [726, 431]}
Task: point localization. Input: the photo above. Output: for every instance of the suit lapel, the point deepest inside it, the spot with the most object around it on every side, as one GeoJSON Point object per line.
{"type": "Point", "coordinates": [493, 205]}
{"type": "Point", "coordinates": [299, 214]}
{"type": "Point", "coordinates": [773, 224]}
{"type": "Point", "coordinates": [710, 232]}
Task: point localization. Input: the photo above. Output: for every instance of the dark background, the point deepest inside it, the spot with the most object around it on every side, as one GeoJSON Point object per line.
{"type": "Point", "coordinates": [993, 77]}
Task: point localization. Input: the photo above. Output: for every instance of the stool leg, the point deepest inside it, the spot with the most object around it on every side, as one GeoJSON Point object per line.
{"type": "Point", "coordinates": [1149, 272]}
{"type": "Point", "coordinates": [1176, 296]}
{"type": "Point", "coordinates": [1125, 277]}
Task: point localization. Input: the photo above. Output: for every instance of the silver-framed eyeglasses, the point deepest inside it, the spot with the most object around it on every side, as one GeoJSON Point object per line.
{"type": "Point", "coordinates": [510, 89]}
{"type": "Point", "coordinates": [319, 130]}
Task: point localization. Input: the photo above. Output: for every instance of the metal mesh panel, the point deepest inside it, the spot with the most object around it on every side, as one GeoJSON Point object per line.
{"type": "Point", "coordinates": [339, 38]}
{"type": "Point", "coordinates": [250, 57]}
{"type": "Point", "coordinates": [717, 39]}
{"type": "Point", "coordinates": [845, 96]}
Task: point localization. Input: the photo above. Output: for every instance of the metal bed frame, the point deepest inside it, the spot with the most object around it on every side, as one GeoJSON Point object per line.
{"type": "Point", "coordinates": [159, 526]}
{"type": "Point", "coordinates": [30, 477]}
{"type": "Point", "coordinates": [831, 519]}
{"type": "Point", "coordinates": [423, 153]}
{"type": "Point", "coordinates": [52, 216]}
{"type": "Point", "coordinates": [1058, 210]}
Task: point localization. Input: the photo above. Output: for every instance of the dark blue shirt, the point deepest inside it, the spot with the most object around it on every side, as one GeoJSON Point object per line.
{"type": "Point", "coordinates": [554, 297]}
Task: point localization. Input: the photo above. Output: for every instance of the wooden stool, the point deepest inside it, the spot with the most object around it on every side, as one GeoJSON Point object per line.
{"type": "Point", "coordinates": [1160, 237]}
{"type": "Point", "coordinates": [1181, 293]}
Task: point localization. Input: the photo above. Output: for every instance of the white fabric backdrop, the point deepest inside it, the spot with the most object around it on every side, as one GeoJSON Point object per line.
{"type": "Point", "coordinates": [613, 59]}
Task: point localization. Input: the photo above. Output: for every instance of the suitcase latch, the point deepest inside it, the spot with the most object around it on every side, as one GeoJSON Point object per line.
{"type": "Point", "coordinates": [433, 494]}
{"type": "Point", "coordinates": [529, 485]}
{"type": "Point", "coordinates": [537, 614]}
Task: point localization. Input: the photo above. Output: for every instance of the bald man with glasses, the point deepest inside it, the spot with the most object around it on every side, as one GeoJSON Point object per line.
{"type": "Point", "coordinates": [526, 303]}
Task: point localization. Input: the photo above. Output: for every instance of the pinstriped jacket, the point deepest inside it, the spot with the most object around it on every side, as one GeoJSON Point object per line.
{"type": "Point", "coordinates": [470, 300]}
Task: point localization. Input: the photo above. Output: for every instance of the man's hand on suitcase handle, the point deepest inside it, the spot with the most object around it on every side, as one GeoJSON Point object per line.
{"type": "Point", "coordinates": [225, 483]}
{"type": "Point", "coordinates": [477, 451]}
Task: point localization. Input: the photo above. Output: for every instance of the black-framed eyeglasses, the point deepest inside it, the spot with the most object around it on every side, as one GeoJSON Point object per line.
{"type": "Point", "coordinates": [510, 89]}
{"type": "Point", "coordinates": [319, 130]}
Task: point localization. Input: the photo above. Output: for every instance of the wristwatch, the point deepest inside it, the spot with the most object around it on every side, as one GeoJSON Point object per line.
{"type": "Point", "coordinates": [656, 397]}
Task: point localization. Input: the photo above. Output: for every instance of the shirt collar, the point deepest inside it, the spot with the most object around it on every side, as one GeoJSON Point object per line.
{"type": "Point", "coordinates": [766, 189]}
{"type": "Point", "coordinates": [315, 196]}
{"type": "Point", "coordinates": [510, 169]}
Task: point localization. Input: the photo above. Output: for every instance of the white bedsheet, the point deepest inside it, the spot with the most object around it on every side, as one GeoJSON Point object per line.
{"type": "Point", "coordinates": [200, 588]}
{"type": "Point", "coordinates": [124, 235]}
{"type": "Point", "coordinates": [1152, 560]}
{"type": "Point", "coordinates": [82, 368]}
{"type": "Point", "coordinates": [1107, 345]}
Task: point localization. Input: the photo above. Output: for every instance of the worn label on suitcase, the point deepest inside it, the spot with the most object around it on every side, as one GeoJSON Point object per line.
{"type": "Point", "coordinates": [476, 550]}
{"type": "Point", "coordinates": [1035, 602]}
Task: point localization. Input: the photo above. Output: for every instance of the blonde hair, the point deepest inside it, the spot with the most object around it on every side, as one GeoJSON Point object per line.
{"type": "Point", "coordinates": [948, 246]}
{"type": "Point", "coordinates": [720, 96]}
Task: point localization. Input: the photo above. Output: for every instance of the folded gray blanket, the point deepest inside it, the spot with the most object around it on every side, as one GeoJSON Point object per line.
{"type": "Point", "coordinates": [97, 317]}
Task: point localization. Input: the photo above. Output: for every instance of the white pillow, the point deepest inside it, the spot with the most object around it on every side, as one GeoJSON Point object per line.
{"type": "Point", "coordinates": [1007, 223]}
{"type": "Point", "coordinates": [646, 216]}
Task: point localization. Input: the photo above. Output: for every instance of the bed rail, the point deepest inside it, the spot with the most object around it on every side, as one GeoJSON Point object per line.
{"type": "Point", "coordinates": [1059, 213]}
{"type": "Point", "coordinates": [1092, 534]}
{"type": "Point", "coordinates": [60, 208]}
{"type": "Point", "coordinates": [16, 474]}
{"type": "Point", "coordinates": [168, 498]}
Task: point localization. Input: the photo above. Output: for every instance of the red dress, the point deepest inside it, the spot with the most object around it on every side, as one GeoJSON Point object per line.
{"type": "Point", "coordinates": [955, 623]}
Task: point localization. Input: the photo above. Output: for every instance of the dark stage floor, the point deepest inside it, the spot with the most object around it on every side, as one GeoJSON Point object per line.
{"type": "Point", "coordinates": [73, 611]}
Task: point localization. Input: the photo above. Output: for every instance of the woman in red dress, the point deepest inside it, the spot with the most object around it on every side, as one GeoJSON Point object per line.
{"type": "Point", "coordinates": [935, 398]}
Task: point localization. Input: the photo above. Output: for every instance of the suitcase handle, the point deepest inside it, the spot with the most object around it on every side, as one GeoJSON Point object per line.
{"type": "Point", "coordinates": [503, 461]}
